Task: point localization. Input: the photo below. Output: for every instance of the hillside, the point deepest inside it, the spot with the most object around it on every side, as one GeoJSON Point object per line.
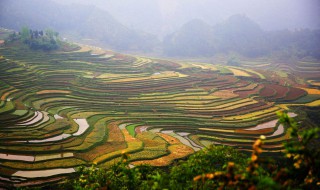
{"type": "Point", "coordinates": [74, 21]}
{"type": "Point", "coordinates": [61, 110]}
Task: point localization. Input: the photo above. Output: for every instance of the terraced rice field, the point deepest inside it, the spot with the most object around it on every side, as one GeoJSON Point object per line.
{"type": "Point", "coordinates": [61, 110]}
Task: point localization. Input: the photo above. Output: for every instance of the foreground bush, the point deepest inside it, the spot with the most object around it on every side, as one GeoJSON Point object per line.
{"type": "Point", "coordinates": [218, 167]}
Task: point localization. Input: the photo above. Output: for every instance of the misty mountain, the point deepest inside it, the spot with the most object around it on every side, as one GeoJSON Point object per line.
{"type": "Point", "coordinates": [162, 17]}
{"type": "Point", "coordinates": [75, 21]}
{"type": "Point", "coordinates": [239, 33]}
{"type": "Point", "coordinates": [197, 38]}
{"type": "Point", "coordinates": [159, 17]}
{"type": "Point", "coordinates": [189, 24]}
{"type": "Point", "coordinates": [242, 35]}
{"type": "Point", "coordinates": [192, 39]}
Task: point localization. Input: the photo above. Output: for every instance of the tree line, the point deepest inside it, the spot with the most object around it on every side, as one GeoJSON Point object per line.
{"type": "Point", "coordinates": [46, 40]}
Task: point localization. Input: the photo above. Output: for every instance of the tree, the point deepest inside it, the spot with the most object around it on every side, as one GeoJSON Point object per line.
{"type": "Point", "coordinates": [25, 34]}
{"type": "Point", "coordinates": [50, 33]}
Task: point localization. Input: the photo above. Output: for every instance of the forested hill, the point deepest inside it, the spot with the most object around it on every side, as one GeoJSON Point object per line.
{"type": "Point", "coordinates": [76, 21]}
{"type": "Point", "coordinates": [242, 35]}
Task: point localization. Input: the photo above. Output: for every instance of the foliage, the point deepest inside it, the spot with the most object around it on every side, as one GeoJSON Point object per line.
{"type": "Point", "coordinates": [25, 34]}
{"type": "Point", "coordinates": [304, 158]}
{"type": "Point", "coordinates": [119, 176]}
{"type": "Point", "coordinates": [87, 178]}
{"type": "Point", "coordinates": [38, 40]}
{"type": "Point", "coordinates": [202, 162]}
{"type": "Point", "coordinates": [299, 169]}
{"type": "Point", "coordinates": [233, 62]}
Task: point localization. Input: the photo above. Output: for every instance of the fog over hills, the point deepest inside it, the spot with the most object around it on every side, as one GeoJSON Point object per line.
{"type": "Point", "coordinates": [75, 21]}
{"type": "Point", "coordinates": [188, 28]}
{"type": "Point", "coordinates": [241, 35]}
{"type": "Point", "coordinates": [162, 17]}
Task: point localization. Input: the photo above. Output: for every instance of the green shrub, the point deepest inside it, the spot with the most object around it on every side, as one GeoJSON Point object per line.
{"type": "Point", "coordinates": [215, 157]}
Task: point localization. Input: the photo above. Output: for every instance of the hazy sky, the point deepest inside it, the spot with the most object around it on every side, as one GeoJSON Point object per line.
{"type": "Point", "coordinates": [164, 16]}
